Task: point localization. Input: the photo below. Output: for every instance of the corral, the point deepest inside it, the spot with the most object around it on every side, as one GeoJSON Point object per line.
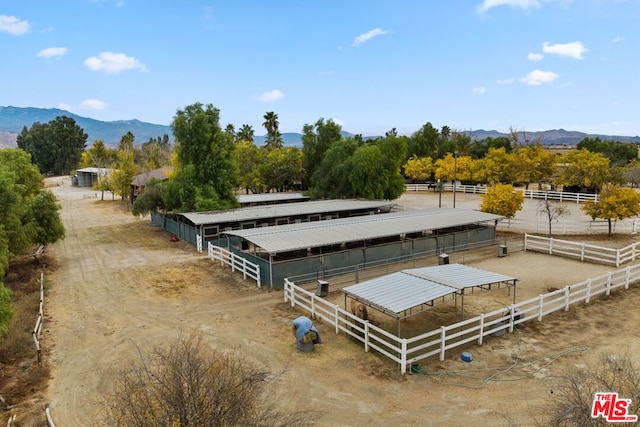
{"type": "Point", "coordinates": [319, 250]}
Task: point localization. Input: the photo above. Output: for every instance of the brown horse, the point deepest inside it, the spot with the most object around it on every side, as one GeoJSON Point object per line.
{"type": "Point", "coordinates": [359, 309]}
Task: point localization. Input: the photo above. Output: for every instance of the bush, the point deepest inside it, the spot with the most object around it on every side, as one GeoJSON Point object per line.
{"type": "Point", "coordinates": [189, 384]}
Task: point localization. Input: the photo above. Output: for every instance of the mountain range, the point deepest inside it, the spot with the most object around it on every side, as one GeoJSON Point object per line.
{"type": "Point", "coordinates": [13, 119]}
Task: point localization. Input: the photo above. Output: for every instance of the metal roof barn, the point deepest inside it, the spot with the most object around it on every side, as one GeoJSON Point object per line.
{"type": "Point", "coordinates": [271, 198]}
{"type": "Point", "coordinates": [283, 210]}
{"type": "Point", "coordinates": [398, 294]}
{"type": "Point", "coordinates": [290, 237]}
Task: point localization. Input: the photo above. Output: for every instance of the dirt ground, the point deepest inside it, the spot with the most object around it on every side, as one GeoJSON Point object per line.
{"type": "Point", "coordinates": [122, 286]}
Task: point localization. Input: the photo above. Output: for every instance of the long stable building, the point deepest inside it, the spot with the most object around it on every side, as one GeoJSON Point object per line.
{"type": "Point", "coordinates": [317, 247]}
{"type": "Point", "coordinates": [209, 225]}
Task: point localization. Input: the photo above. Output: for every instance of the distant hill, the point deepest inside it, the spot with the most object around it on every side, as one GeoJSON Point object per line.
{"type": "Point", "coordinates": [13, 119]}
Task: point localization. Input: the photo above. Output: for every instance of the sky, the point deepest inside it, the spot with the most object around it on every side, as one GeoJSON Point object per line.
{"type": "Point", "coordinates": [369, 65]}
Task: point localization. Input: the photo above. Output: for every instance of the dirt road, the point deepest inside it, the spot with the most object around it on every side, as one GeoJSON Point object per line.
{"type": "Point", "coordinates": [123, 286]}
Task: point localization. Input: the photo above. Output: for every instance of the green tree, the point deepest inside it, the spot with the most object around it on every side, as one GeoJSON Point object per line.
{"type": "Point", "coordinates": [316, 140]}
{"type": "Point", "coordinates": [584, 169]}
{"type": "Point", "coordinates": [7, 309]}
{"type": "Point", "coordinates": [618, 153]}
{"type": "Point", "coordinates": [282, 169]}
{"type": "Point", "coordinates": [207, 169]}
{"type": "Point", "coordinates": [418, 168]}
{"type": "Point", "coordinates": [614, 203]}
{"type": "Point", "coordinates": [155, 154]}
{"type": "Point", "coordinates": [98, 155]}
{"type": "Point", "coordinates": [149, 200]}
{"type": "Point", "coordinates": [480, 148]}
{"type": "Point", "coordinates": [250, 161]}
{"type": "Point", "coordinates": [245, 133]}
{"type": "Point", "coordinates": [122, 174]}
{"type": "Point", "coordinates": [48, 227]}
{"type": "Point", "coordinates": [56, 146]}
{"type": "Point", "coordinates": [331, 177]}
{"type": "Point", "coordinates": [424, 142]}
{"type": "Point", "coordinates": [502, 199]}
{"type": "Point", "coordinates": [271, 124]}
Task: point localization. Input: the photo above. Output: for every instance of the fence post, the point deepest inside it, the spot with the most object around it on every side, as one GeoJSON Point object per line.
{"type": "Point", "coordinates": [366, 336]}
{"type": "Point", "coordinates": [443, 338]}
{"type": "Point", "coordinates": [336, 314]}
{"type": "Point", "coordinates": [244, 268]}
{"type": "Point", "coordinates": [582, 252]}
{"type": "Point", "coordinates": [617, 258]}
{"type": "Point", "coordinates": [293, 296]}
{"type": "Point", "coordinates": [567, 292]}
{"type": "Point", "coordinates": [286, 288]}
{"type": "Point", "coordinates": [588, 298]}
{"type": "Point", "coordinates": [481, 329]}
{"type": "Point", "coordinates": [313, 306]}
{"type": "Point", "coordinates": [608, 284]}
{"type": "Point", "coordinates": [633, 247]}
{"type": "Point", "coordinates": [511, 313]}
{"type": "Point", "coordinates": [403, 356]}
{"type": "Point", "coordinates": [627, 278]}
{"type": "Point", "coordinates": [551, 246]}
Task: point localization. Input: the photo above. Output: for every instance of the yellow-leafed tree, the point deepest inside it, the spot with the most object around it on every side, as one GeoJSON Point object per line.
{"type": "Point", "coordinates": [614, 203]}
{"type": "Point", "coordinates": [419, 168]}
{"type": "Point", "coordinates": [501, 199]}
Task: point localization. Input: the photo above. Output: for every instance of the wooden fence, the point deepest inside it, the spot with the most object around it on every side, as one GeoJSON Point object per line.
{"type": "Point", "coordinates": [558, 196]}
{"type": "Point", "coordinates": [408, 351]}
{"type": "Point", "coordinates": [581, 251]}
{"type": "Point", "coordinates": [236, 262]}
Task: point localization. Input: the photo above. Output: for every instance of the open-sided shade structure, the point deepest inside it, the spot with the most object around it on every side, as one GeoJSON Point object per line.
{"type": "Point", "coordinates": [409, 292]}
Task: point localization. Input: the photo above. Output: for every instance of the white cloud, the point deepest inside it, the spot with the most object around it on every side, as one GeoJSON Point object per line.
{"type": "Point", "coordinates": [524, 4]}
{"type": "Point", "coordinates": [65, 107]}
{"type": "Point", "coordinates": [52, 51]}
{"type": "Point", "coordinates": [537, 77]}
{"type": "Point", "coordinates": [368, 36]}
{"type": "Point", "coordinates": [617, 39]}
{"type": "Point", "coordinates": [93, 104]}
{"type": "Point", "coordinates": [480, 90]}
{"type": "Point", "coordinates": [272, 95]}
{"type": "Point", "coordinates": [13, 25]}
{"type": "Point", "coordinates": [505, 81]}
{"type": "Point", "coordinates": [110, 62]}
{"type": "Point", "coordinates": [572, 50]}
{"type": "Point", "coordinates": [535, 56]}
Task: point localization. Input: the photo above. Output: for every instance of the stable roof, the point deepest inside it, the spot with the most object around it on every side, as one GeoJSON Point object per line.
{"type": "Point", "coordinates": [399, 292]}
{"type": "Point", "coordinates": [290, 237]}
{"type": "Point", "coordinates": [283, 210]}
{"type": "Point", "coordinates": [246, 199]}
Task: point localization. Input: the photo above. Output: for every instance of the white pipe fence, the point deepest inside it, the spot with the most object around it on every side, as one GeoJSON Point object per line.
{"type": "Point", "coordinates": [581, 251]}
{"type": "Point", "coordinates": [559, 196]}
{"type": "Point", "coordinates": [236, 262]}
{"type": "Point", "coordinates": [37, 330]}
{"type": "Point", "coordinates": [408, 351]}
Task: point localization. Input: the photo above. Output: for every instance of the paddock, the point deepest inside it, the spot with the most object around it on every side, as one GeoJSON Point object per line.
{"type": "Point", "coordinates": [409, 292]}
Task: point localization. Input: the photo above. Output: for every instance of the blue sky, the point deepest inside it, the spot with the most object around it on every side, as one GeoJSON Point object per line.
{"type": "Point", "coordinates": [371, 65]}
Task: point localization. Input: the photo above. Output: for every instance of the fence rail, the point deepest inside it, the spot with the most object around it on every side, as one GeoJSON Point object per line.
{"type": "Point", "coordinates": [236, 262]}
{"type": "Point", "coordinates": [37, 330]}
{"type": "Point", "coordinates": [581, 251]}
{"type": "Point", "coordinates": [408, 351]}
{"type": "Point", "coordinates": [559, 196]}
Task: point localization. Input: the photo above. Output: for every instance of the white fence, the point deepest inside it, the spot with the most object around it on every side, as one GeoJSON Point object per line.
{"type": "Point", "coordinates": [37, 330]}
{"type": "Point", "coordinates": [568, 225]}
{"type": "Point", "coordinates": [559, 196]}
{"type": "Point", "coordinates": [408, 351]}
{"type": "Point", "coordinates": [581, 251]}
{"type": "Point", "coordinates": [236, 262]}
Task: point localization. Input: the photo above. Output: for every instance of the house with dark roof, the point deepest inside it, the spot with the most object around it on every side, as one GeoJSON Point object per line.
{"type": "Point", "coordinates": [141, 180]}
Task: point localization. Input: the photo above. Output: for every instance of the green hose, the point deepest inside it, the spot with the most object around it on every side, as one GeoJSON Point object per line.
{"type": "Point", "coordinates": [484, 380]}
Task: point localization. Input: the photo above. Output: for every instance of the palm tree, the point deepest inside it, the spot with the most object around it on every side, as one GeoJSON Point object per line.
{"type": "Point", "coordinates": [271, 123]}
{"type": "Point", "coordinates": [245, 133]}
{"type": "Point", "coordinates": [230, 130]}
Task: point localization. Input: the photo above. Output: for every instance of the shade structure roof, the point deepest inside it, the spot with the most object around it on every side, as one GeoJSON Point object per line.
{"type": "Point", "coordinates": [283, 210]}
{"type": "Point", "coordinates": [290, 237]}
{"type": "Point", "coordinates": [398, 292]}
